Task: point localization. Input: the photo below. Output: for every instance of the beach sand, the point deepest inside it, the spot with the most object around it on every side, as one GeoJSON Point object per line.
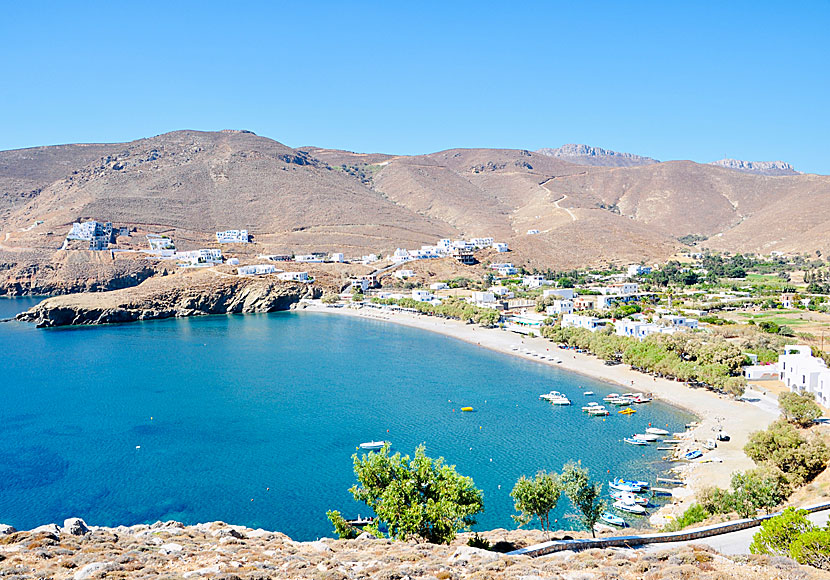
{"type": "Point", "coordinates": [714, 411]}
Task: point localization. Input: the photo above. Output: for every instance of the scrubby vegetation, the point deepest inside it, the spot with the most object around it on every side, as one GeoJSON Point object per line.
{"type": "Point", "coordinates": [792, 534]}
{"type": "Point", "coordinates": [800, 458]}
{"type": "Point", "coordinates": [449, 308]}
{"type": "Point", "coordinates": [800, 409]}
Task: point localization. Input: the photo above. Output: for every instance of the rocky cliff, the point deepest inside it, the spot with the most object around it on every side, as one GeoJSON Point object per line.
{"type": "Point", "coordinates": [219, 550]}
{"type": "Point", "coordinates": [181, 294]}
{"type": "Point", "coordinates": [758, 167]}
{"type": "Point", "coordinates": [587, 155]}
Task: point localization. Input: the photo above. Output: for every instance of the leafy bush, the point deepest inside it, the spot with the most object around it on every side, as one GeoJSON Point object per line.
{"type": "Point", "coordinates": [800, 409]}
{"type": "Point", "coordinates": [761, 488]}
{"type": "Point", "coordinates": [342, 528]}
{"type": "Point", "coordinates": [694, 514]}
{"type": "Point", "coordinates": [778, 533]}
{"type": "Point", "coordinates": [478, 542]}
{"type": "Point", "coordinates": [812, 548]}
{"type": "Point", "coordinates": [715, 500]}
{"type": "Point", "coordinates": [782, 446]}
{"type": "Point", "coordinates": [583, 493]}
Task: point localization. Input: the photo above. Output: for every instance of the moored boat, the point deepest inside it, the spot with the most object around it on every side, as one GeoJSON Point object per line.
{"type": "Point", "coordinates": [627, 411]}
{"type": "Point", "coordinates": [656, 431]}
{"type": "Point", "coordinates": [633, 441]}
{"type": "Point", "coordinates": [373, 445]}
{"type": "Point", "coordinates": [612, 519]}
{"type": "Point", "coordinates": [630, 508]}
{"type": "Point", "coordinates": [628, 497]}
{"type": "Point", "coordinates": [646, 437]}
{"type": "Point", "coordinates": [622, 485]}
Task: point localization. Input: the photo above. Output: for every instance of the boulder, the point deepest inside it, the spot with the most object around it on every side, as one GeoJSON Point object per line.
{"type": "Point", "coordinates": [5, 530]}
{"type": "Point", "coordinates": [47, 529]}
{"type": "Point", "coordinates": [75, 527]}
{"type": "Point", "coordinates": [170, 548]}
{"type": "Point", "coordinates": [466, 554]}
{"type": "Point", "coordinates": [93, 570]}
{"type": "Point", "coordinates": [317, 546]}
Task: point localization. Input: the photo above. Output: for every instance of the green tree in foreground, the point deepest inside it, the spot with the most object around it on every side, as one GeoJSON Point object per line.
{"type": "Point", "coordinates": [799, 409]}
{"type": "Point", "coordinates": [418, 498]}
{"type": "Point", "coordinates": [583, 493]}
{"type": "Point", "coordinates": [778, 533]}
{"type": "Point", "coordinates": [536, 497]}
{"type": "Point", "coordinates": [812, 548]}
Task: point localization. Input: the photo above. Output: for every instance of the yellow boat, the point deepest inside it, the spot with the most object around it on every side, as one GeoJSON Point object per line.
{"type": "Point", "coordinates": [627, 411]}
{"type": "Point", "coordinates": [466, 408]}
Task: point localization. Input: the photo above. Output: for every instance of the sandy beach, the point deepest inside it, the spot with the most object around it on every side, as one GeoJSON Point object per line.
{"type": "Point", "coordinates": [737, 418]}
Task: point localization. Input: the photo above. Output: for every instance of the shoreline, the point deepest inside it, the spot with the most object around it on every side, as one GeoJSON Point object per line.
{"type": "Point", "coordinates": [713, 411]}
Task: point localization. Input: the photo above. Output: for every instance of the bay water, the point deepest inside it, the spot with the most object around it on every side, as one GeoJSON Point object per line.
{"type": "Point", "coordinates": [253, 419]}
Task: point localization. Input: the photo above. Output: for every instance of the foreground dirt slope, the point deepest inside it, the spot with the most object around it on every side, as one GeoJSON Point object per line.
{"type": "Point", "coordinates": [218, 550]}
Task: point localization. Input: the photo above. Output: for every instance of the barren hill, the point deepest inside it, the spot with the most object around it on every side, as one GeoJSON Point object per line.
{"type": "Point", "coordinates": [191, 184]}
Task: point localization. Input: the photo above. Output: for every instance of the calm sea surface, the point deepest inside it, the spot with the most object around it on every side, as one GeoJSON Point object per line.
{"type": "Point", "coordinates": [253, 419]}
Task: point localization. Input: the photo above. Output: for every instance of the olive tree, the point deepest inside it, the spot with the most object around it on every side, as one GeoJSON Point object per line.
{"type": "Point", "coordinates": [800, 409]}
{"type": "Point", "coordinates": [536, 497]}
{"type": "Point", "coordinates": [583, 493]}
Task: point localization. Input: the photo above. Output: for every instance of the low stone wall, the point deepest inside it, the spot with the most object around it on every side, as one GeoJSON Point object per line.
{"type": "Point", "coordinates": [628, 541]}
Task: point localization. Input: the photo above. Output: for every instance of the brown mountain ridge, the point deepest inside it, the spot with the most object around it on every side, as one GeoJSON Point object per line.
{"type": "Point", "coordinates": [192, 183]}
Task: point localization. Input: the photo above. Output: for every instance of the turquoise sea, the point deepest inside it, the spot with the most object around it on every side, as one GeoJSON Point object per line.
{"type": "Point", "coordinates": [253, 419]}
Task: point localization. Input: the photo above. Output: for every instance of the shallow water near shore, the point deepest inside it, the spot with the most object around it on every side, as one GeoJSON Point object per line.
{"type": "Point", "coordinates": [253, 419]}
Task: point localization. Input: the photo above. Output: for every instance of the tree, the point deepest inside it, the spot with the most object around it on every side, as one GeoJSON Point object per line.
{"type": "Point", "coordinates": [416, 498]}
{"type": "Point", "coordinates": [799, 409]}
{"type": "Point", "coordinates": [781, 445]}
{"type": "Point", "coordinates": [583, 493]}
{"type": "Point", "coordinates": [778, 533]}
{"type": "Point", "coordinates": [342, 528]}
{"type": "Point", "coordinates": [760, 488]}
{"type": "Point", "coordinates": [357, 297]}
{"type": "Point", "coordinates": [536, 497]}
{"type": "Point", "coordinates": [330, 299]}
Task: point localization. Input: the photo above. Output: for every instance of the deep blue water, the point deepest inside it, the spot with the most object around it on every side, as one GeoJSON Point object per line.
{"type": "Point", "coordinates": [253, 419]}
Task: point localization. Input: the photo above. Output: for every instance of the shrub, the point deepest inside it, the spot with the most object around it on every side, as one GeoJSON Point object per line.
{"type": "Point", "coordinates": [715, 500]}
{"type": "Point", "coordinates": [536, 497]}
{"type": "Point", "coordinates": [812, 548]}
{"type": "Point", "coordinates": [342, 528]}
{"type": "Point", "coordinates": [800, 409]}
{"type": "Point", "coordinates": [478, 542]}
{"type": "Point", "coordinates": [778, 533]}
{"type": "Point", "coordinates": [782, 446]}
{"type": "Point", "coordinates": [760, 488]}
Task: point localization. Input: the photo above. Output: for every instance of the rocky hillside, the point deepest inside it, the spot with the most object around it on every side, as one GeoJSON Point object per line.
{"type": "Point", "coordinates": [183, 294]}
{"type": "Point", "coordinates": [587, 155]}
{"type": "Point", "coordinates": [218, 550]}
{"type": "Point", "coordinates": [758, 167]}
{"type": "Point", "coordinates": [189, 184]}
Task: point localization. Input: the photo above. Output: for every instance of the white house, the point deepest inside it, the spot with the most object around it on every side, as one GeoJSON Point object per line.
{"type": "Point", "coordinates": [256, 270]}
{"type": "Point", "coordinates": [484, 297]}
{"type": "Point", "coordinates": [501, 291]}
{"type": "Point", "coordinates": [803, 373]}
{"type": "Point", "coordinates": [404, 274]}
{"type": "Point", "coordinates": [481, 242]}
{"type": "Point", "coordinates": [638, 270]}
{"type": "Point", "coordinates": [673, 320]}
{"type": "Point", "coordinates": [500, 247]}
{"type": "Point", "coordinates": [160, 242]}
{"type": "Point", "coordinates": [199, 258]}
{"type": "Point", "coordinates": [564, 306]}
{"type": "Point", "coordinates": [438, 286]}
{"type": "Point", "coordinates": [295, 276]}
{"type": "Point", "coordinates": [369, 258]}
{"type": "Point", "coordinates": [761, 372]}
{"type": "Point", "coordinates": [98, 234]}
{"type": "Point", "coordinates": [401, 255]}
{"type": "Point", "coordinates": [621, 289]}
{"type": "Point", "coordinates": [507, 271]}
{"type": "Point", "coordinates": [232, 237]}
{"type": "Point", "coordinates": [308, 258]}
{"type": "Point", "coordinates": [337, 257]}
{"type": "Point", "coordinates": [535, 281]}
{"type": "Point", "coordinates": [788, 300]}
{"type": "Point", "coordinates": [359, 285]}
{"type": "Point", "coordinates": [566, 293]}
{"type": "Point", "coordinates": [422, 295]}
{"type": "Point", "coordinates": [592, 323]}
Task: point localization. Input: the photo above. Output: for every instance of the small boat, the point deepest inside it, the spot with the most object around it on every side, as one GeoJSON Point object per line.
{"type": "Point", "coordinates": [588, 393]}
{"type": "Point", "coordinates": [710, 444]}
{"type": "Point", "coordinates": [627, 411]}
{"type": "Point", "coordinates": [621, 485]}
{"type": "Point", "coordinates": [466, 409]}
{"type": "Point", "coordinates": [590, 406]}
{"type": "Point", "coordinates": [693, 455]}
{"type": "Point", "coordinates": [628, 497]}
{"type": "Point", "coordinates": [646, 437]}
{"type": "Point", "coordinates": [631, 508]}
{"type": "Point", "coordinates": [656, 431]}
{"type": "Point", "coordinates": [556, 398]}
{"type": "Point", "coordinates": [611, 397]}
{"type": "Point", "coordinates": [692, 425]}
{"type": "Point", "coordinates": [599, 411]}
{"type": "Point", "coordinates": [723, 436]}
{"type": "Point", "coordinates": [373, 445]}
{"type": "Point", "coordinates": [610, 518]}
{"type": "Point", "coordinates": [633, 441]}
{"type": "Point", "coordinates": [359, 522]}
{"type": "Point", "coordinates": [632, 482]}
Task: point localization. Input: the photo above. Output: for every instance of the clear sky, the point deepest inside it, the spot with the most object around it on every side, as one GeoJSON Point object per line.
{"type": "Point", "coordinates": [749, 80]}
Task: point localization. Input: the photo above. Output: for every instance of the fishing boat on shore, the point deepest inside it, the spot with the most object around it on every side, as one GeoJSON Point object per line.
{"type": "Point", "coordinates": [693, 455]}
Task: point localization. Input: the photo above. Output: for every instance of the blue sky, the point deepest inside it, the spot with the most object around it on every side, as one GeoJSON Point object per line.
{"type": "Point", "coordinates": [672, 81]}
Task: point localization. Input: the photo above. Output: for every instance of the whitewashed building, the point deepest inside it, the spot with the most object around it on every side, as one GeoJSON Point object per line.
{"type": "Point", "coordinates": [532, 232]}
{"type": "Point", "coordinates": [232, 237]}
{"type": "Point", "coordinates": [422, 295]}
{"type": "Point", "coordinates": [438, 286]}
{"type": "Point", "coordinates": [256, 270]}
{"type": "Point", "coordinates": [294, 276]}
{"type": "Point", "coordinates": [308, 258]}
{"type": "Point", "coordinates": [337, 257]}
{"type": "Point", "coordinates": [501, 247]}
{"type": "Point", "coordinates": [591, 323]}
{"type": "Point", "coordinates": [204, 257]}
{"type": "Point", "coordinates": [360, 285]}
{"type": "Point", "coordinates": [563, 306]}
{"type": "Point", "coordinates": [638, 270]}
{"type": "Point", "coordinates": [801, 372]}
{"type": "Point", "coordinates": [566, 293]}
{"type": "Point", "coordinates": [159, 242]}
{"type": "Point", "coordinates": [404, 274]}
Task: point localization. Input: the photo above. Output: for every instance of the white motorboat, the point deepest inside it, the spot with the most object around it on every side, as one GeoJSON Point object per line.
{"type": "Point", "coordinates": [630, 508]}
{"type": "Point", "coordinates": [590, 406]}
{"type": "Point", "coordinates": [599, 411]}
{"type": "Point", "coordinates": [588, 393]}
{"type": "Point", "coordinates": [633, 441]}
{"type": "Point", "coordinates": [629, 498]}
{"type": "Point", "coordinates": [373, 445]}
{"type": "Point", "coordinates": [647, 437]}
{"type": "Point", "coordinates": [656, 431]}
{"type": "Point", "coordinates": [555, 398]}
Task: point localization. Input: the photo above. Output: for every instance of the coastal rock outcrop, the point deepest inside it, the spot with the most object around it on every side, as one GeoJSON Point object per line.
{"type": "Point", "coordinates": [74, 527]}
{"type": "Point", "coordinates": [183, 294]}
{"type": "Point", "coordinates": [169, 551]}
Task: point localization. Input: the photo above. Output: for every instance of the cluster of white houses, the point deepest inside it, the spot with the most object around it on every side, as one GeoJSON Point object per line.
{"type": "Point", "coordinates": [635, 327]}
{"type": "Point", "coordinates": [99, 234]}
{"type": "Point", "coordinates": [460, 249]}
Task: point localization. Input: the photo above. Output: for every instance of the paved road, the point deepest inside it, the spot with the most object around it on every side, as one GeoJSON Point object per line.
{"type": "Point", "coordinates": [762, 401]}
{"type": "Point", "coordinates": [731, 543]}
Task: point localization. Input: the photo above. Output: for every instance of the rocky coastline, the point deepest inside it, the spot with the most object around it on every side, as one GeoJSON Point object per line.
{"type": "Point", "coordinates": [179, 295]}
{"type": "Point", "coordinates": [171, 549]}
